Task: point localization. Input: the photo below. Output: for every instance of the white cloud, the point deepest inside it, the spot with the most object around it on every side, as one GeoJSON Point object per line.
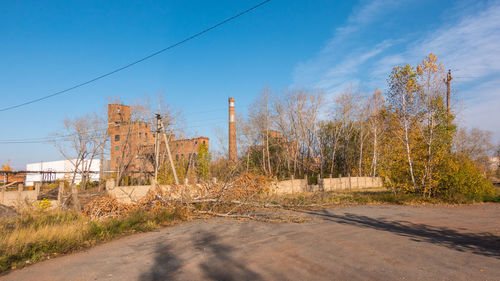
{"type": "Point", "coordinates": [336, 63]}
{"type": "Point", "coordinates": [346, 70]}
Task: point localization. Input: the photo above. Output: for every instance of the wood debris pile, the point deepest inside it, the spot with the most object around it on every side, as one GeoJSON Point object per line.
{"type": "Point", "coordinates": [155, 200]}
{"type": "Point", "coordinates": [104, 207]}
{"type": "Point", "coordinates": [241, 195]}
{"type": "Point", "coordinates": [225, 197]}
{"type": "Point", "coordinates": [242, 187]}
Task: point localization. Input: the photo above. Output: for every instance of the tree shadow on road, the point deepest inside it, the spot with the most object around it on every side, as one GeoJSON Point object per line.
{"type": "Point", "coordinates": [219, 264]}
{"type": "Point", "coordinates": [484, 243]}
{"type": "Point", "coordinates": [216, 262]}
{"type": "Point", "coordinates": [165, 266]}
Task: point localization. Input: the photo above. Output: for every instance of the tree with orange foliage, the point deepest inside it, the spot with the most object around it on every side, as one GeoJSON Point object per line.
{"type": "Point", "coordinates": [7, 166]}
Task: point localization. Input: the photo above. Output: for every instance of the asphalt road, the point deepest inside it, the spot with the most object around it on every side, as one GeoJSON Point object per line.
{"type": "Point", "coordinates": [355, 243]}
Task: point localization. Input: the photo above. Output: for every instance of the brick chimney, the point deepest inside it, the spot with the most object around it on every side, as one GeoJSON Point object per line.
{"type": "Point", "coordinates": [233, 154]}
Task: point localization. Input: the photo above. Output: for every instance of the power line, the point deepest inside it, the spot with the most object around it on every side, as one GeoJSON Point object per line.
{"type": "Point", "coordinates": [137, 61]}
{"type": "Point", "coordinates": [200, 123]}
{"type": "Point", "coordinates": [144, 120]}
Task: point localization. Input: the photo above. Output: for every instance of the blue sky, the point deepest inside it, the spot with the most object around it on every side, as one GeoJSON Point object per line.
{"type": "Point", "coordinates": [47, 46]}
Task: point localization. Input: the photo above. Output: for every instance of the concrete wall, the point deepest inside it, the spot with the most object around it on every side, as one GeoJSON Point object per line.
{"type": "Point", "coordinates": [130, 194]}
{"type": "Point", "coordinates": [327, 184]}
{"type": "Point", "coordinates": [18, 198]}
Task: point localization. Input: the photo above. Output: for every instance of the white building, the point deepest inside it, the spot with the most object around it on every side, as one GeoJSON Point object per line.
{"type": "Point", "coordinates": [62, 170]}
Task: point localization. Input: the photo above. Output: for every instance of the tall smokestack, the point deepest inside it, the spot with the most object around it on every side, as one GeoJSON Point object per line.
{"type": "Point", "coordinates": [233, 154]}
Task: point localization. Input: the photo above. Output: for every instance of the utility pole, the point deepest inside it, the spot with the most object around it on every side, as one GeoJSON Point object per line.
{"type": "Point", "coordinates": [233, 154]}
{"type": "Point", "coordinates": [447, 81]}
{"type": "Point", "coordinates": [157, 145]}
{"type": "Point", "coordinates": [267, 134]}
{"type": "Point", "coordinates": [101, 168]}
{"type": "Point", "coordinates": [169, 154]}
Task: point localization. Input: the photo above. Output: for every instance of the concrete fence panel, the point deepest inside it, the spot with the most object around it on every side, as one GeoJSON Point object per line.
{"type": "Point", "coordinates": [19, 198]}
{"type": "Point", "coordinates": [327, 184]}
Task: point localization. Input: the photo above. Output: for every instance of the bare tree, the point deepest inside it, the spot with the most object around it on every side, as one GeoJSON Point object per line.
{"type": "Point", "coordinates": [345, 105]}
{"type": "Point", "coordinates": [375, 122]}
{"type": "Point", "coordinates": [259, 117]}
{"type": "Point", "coordinates": [474, 143]}
{"type": "Point", "coordinates": [82, 140]}
{"type": "Point", "coordinates": [362, 113]}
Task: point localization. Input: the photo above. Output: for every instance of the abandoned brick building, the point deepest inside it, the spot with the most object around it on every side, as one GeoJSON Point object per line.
{"type": "Point", "coordinates": [133, 142]}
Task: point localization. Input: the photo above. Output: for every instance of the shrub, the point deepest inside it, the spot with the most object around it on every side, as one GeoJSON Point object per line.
{"type": "Point", "coordinates": [461, 178]}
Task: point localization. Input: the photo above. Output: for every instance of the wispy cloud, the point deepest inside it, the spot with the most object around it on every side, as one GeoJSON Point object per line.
{"type": "Point", "coordinates": [471, 45]}
{"type": "Point", "coordinates": [339, 60]}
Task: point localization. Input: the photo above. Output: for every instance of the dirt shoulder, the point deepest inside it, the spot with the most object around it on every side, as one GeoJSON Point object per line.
{"type": "Point", "coordinates": [375, 242]}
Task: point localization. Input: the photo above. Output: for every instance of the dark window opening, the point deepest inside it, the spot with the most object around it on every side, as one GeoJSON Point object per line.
{"type": "Point", "coordinates": [117, 137]}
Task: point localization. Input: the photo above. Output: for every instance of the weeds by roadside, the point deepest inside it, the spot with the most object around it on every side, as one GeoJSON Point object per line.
{"type": "Point", "coordinates": [367, 197]}
{"type": "Point", "coordinates": [38, 235]}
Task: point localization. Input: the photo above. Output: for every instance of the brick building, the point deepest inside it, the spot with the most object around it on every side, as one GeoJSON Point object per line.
{"type": "Point", "coordinates": [133, 142]}
{"type": "Point", "coordinates": [276, 138]}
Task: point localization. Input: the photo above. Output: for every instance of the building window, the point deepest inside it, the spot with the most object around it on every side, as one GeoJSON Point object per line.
{"type": "Point", "coordinates": [203, 142]}
{"type": "Point", "coordinates": [116, 147]}
{"type": "Point", "coordinates": [177, 157]}
{"type": "Point", "coordinates": [146, 135]}
{"type": "Point", "coordinates": [140, 135]}
{"type": "Point", "coordinates": [195, 142]}
{"type": "Point", "coordinates": [117, 137]}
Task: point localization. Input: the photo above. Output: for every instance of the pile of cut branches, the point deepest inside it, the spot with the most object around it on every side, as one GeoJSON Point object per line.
{"type": "Point", "coordinates": [104, 207]}
{"type": "Point", "coordinates": [236, 198]}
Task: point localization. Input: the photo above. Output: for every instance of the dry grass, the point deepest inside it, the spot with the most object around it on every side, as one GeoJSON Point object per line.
{"type": "Point", "coordinates": [336, 198]}
{"type": "Point", "coordinates": [40, 235]}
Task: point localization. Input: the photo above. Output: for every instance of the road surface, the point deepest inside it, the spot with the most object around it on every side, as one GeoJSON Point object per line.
{"type": "Point", "coordinates": [373, 242]}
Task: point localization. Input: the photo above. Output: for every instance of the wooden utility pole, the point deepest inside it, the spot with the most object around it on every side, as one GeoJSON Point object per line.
{"type": "Point", "coordinates": [447, 81]}
{"type": "Point", "coordinates": [233, 154]}
{"type": "Point", "coordinates": [157, 145]}
{"type": "Point", "coordinates": [169, 154]}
